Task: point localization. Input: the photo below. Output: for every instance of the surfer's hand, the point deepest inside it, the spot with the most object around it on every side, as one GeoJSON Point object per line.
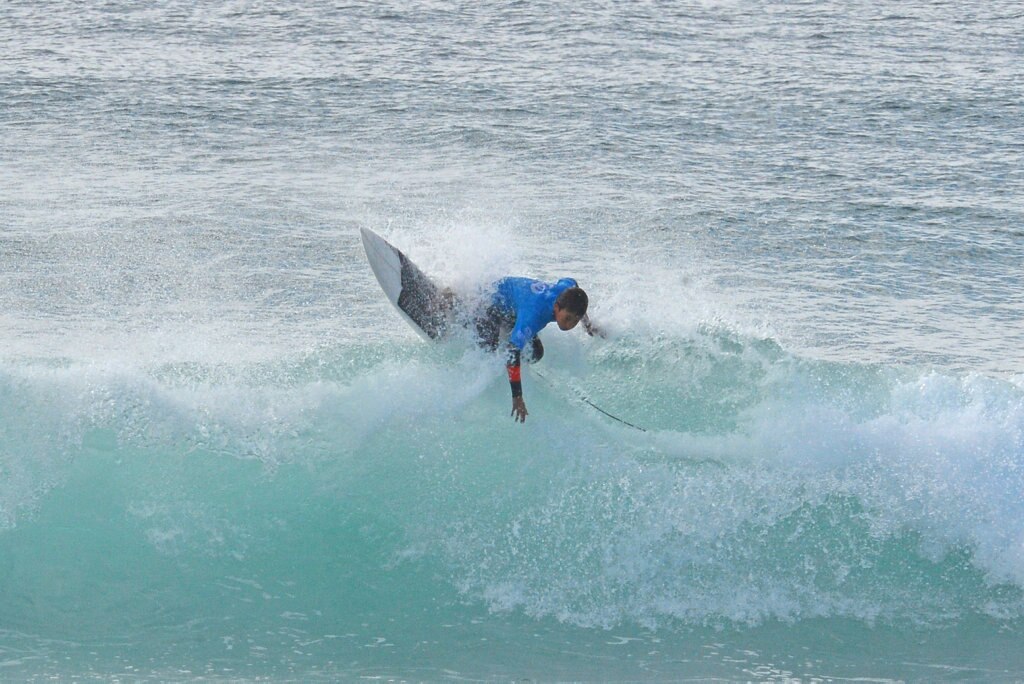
{"type": "Point", "coordinates": [519, 411]}
{"type": "Point", "coordinates": [592, 329]}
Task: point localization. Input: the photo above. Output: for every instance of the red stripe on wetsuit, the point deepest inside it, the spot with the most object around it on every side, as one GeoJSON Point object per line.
{"type": "Point", "coordinates": [515, 375]}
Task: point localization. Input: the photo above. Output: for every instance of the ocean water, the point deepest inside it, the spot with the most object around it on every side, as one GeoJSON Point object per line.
{"type": "Point", "coordinates": [224, 456]}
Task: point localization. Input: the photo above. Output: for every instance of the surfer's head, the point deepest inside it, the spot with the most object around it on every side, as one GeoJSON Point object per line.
{"type": "Point", "coordinates": [570, 307]}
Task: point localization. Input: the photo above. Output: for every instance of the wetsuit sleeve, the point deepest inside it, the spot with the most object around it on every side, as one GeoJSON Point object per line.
{"type": "Point", "coordinates": [517, 339]}
{"type": "Point", "coordinates": [513, 364]}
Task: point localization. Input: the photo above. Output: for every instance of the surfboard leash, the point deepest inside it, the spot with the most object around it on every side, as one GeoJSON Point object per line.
{"type": "Point", "coordinates": [582, 397]}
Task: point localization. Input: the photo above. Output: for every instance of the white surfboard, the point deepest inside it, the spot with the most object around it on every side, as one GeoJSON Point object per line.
{"type": "Point", "coordinates": [421, 302]}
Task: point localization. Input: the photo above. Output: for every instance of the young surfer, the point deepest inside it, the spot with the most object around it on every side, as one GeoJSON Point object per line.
{"type": "Point", "coordinates": [519, 306]}
{"type": "Point", "coordinates": [524, 306]}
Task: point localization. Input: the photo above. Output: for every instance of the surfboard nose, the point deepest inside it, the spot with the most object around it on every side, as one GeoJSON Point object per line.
{"type": "Point", "coordinates": [425, 306]}
{"type": "Point", "coordinates": [385, 261]}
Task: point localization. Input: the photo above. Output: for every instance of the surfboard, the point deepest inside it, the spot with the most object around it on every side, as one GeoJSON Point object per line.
{"type": "Point", "coordinates": [425, 305]}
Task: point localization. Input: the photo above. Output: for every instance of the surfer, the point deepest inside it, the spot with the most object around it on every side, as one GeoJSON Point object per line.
{"type": "Point", "coordinates": [520, 307]}
{"type": "Point", "coordinates": [523, 307]}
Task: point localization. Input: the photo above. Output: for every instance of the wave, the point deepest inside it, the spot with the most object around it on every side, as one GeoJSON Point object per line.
{"type": "Point", "coordinates": [767, 486]}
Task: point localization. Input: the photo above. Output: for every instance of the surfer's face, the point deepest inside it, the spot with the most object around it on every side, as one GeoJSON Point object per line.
{"type": "Point", "coordinates": [566, 320]}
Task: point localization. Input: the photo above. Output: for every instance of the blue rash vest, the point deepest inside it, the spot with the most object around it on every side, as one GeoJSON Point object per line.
{"type": "Point", "coordinates": [531, 302]}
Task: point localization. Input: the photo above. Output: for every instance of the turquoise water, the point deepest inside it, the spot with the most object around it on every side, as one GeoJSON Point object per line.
{"type": "Point", "coordinates": [223, 456]}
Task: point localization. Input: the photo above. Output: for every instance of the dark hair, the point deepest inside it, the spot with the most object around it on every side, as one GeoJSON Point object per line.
{"type": "Point", "coordinates": [574, 300]}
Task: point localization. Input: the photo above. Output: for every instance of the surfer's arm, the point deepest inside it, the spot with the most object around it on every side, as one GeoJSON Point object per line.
{"type": "Point", "coordinates": [591, 328]}
{"type": "Point", "coordinates": [513, 364]}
